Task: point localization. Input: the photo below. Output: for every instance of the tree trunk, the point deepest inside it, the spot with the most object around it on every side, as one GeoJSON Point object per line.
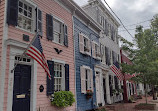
{"type": "Point", "coordinates": [146, 96]}
{"type": "Point", "coordinates": [154, 93]}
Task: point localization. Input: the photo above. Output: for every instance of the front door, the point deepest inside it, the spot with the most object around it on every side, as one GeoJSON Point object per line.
{"type": "Point", "coordinates": [21, 91]}
{"type": "Point", "coordinates": [104, 89]}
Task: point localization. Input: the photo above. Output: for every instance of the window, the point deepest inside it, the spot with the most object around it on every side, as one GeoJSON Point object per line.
{"type": "Point", "coordinates": [88, 86]}
{"type": "Point", "coordinates": [102, 50]}
{"type": "Point", "coordinates": [26, 16]}
{"type": "Point", "coordinates": [58, 31]}
{"type": "Point", "coordinates": [84, 44]}
{"type": "Point", "coordinates": [86, 47]}
{"type": "Point", "coordinates": [59, 78]}
{"type": "Point", "coordinates": [59, 81]}
{"type": "Point", "coordinates": [97, 51]}
{"type": "Point", "coordinates": [86, 74]}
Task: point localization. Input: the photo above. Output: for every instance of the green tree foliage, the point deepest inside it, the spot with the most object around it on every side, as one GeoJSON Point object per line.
{"type": "Point", "coordinates": [143, 52]}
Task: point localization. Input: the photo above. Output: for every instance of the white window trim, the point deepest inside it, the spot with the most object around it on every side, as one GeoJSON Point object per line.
{"type": "Point", "coordinates": [86, 67]}
{"type": "Point", "coordinates": [63, 76]}
{"type": "Point", "coordinates": [34, 6]}
{"type": "Point", "coordinates": [85, 36]}
{"type": "Point", "coordinates": [97, 57]}
{"type": "Point", "coordinates": [61, 21]}
{"type": "Point", "coordinates": [59, 61]}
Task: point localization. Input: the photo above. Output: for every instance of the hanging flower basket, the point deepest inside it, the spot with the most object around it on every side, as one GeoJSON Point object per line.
{"type": "Point", "coordinates": [89, 94]}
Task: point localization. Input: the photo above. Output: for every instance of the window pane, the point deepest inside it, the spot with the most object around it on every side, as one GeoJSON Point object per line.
{"type": "Point", "coordinates": [20, 10]}
{"type": "Point", "coordinates": [57, 26]}
{"type": "Point", "coordinates": [25, 6]}
{"type": "Point", "coordinates": [20, 4]}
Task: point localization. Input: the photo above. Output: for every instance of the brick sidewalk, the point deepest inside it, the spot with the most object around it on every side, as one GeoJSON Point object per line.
{"type": "Point", "coordinates": [130, 106]}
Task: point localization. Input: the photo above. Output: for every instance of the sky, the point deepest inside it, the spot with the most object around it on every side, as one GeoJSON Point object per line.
{"type": "Point", "coordinates": [131, 12]}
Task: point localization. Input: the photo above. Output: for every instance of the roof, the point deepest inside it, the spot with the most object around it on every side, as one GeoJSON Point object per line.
{"type": "Point", "coordinates": [77, 10]}
{"type": "Point", "coordinates": [104, 7]}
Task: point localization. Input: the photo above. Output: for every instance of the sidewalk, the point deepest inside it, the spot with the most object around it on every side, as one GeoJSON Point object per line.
{"type": "Point", "coordinates": [131, 106]}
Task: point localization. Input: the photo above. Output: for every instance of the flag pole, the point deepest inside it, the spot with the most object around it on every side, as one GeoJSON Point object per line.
{"type": "Point", "coordinates": [24, 52]}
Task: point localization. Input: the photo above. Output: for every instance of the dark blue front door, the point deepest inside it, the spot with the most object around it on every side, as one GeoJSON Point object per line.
{"type": "Point", "coordinates": [21, 91]}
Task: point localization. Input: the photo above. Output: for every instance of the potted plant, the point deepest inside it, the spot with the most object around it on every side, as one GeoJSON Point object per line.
{"type": "Point", "coordinates": [62, 99]}
{"type": "Point", "coordinates": [120, 90]}
{"type": "Point", "coordinates": [114, 91]}
{"type": "Point", "coordinates": [89, 94]}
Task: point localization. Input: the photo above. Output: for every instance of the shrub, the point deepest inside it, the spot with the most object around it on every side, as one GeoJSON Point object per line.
{"type": "Point", "coordinates": [63, 99]}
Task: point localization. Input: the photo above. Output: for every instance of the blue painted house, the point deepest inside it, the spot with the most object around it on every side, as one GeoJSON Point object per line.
{"type": "Point", "coordinates": [87, 55]}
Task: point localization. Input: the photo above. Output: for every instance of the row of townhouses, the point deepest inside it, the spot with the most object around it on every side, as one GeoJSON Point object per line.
{"type": "Point", "coordinates": [79, 44]}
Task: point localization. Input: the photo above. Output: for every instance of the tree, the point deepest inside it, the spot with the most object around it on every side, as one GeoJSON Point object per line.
{"type": "Point", "coordinates": [143, 52]}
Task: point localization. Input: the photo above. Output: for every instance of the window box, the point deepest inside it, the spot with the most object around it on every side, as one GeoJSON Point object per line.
{"type": "Point", "coordinates": [89, 94]}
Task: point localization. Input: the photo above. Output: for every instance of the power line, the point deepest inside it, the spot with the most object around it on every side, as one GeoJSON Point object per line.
{"type": "Point", "coordinates": [118, 19]}
{"type": "Point", "coordinates": [138, 23]}
{"type": "Point", "coordinates": [133, 29]}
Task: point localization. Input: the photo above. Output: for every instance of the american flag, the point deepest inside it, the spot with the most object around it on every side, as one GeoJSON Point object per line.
{"type": "Point", "coordinates": [35, 51]}
{"type": "Point", "coordinates": [128, 76]}
{"type": "Point", "coordinates": [117, 72]}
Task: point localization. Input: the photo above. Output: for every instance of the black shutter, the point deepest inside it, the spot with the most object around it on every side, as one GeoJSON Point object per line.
{"type": "Point", "coordinates": [12, 12]}
{"type": "Point", "coordinates": [110, 84]}
{"type": "Point", "coordinates": [50, 83]}
{"type": "Point", "coordinates": [106, 28]}
{"type": "Point", "coordinates": [39, 22]}
{"type": "Point", "coordinates": [49, 26]}
{"type": "Point", "coordinates": [65, 36]}
{"type": "Point", "coordinates": [107, 55]}
{"type": "Point", "coordinates": [114, 34]}
{"type": "Point", "coordinates": [116, 83]}
{"type": "Point", "coordinates": [113, 57]}
{"type": "Point", "coordinates": [66, 77]}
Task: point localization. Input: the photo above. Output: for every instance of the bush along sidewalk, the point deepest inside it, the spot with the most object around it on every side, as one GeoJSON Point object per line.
{"type": "Point", "coordinates": [63, 99]}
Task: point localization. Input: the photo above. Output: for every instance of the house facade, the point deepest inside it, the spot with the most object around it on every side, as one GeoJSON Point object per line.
{"type": "Point", "coordinates": [106, 81]}
{"type": "Point", "coordinates": [87, 55]}
{"type": "Point", "coordinates": [28, 88]}
{"type": "Point", "coordinates": [129, 86]}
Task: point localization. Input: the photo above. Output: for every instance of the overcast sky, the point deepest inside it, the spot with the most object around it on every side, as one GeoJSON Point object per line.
{"type": "Point", "coordinates": [131, 12]}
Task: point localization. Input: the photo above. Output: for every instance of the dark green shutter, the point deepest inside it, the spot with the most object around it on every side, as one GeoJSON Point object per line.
{"type": "Point", "coordinates": [12, 12]}
{"type": "Point", "coordinates": [65, 36]}
{"type": "Point", "coordinates": [66, 77]}
{"type": "Point", "coordinates": [39, 22]}
{"type": "Point", "coordinates": [49, 26]}
{"type": "Point", "coordinates": [50, 83]}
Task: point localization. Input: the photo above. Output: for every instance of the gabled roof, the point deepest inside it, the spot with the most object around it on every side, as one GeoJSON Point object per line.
{"type": "Point", "coordinates": [77, 10]}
